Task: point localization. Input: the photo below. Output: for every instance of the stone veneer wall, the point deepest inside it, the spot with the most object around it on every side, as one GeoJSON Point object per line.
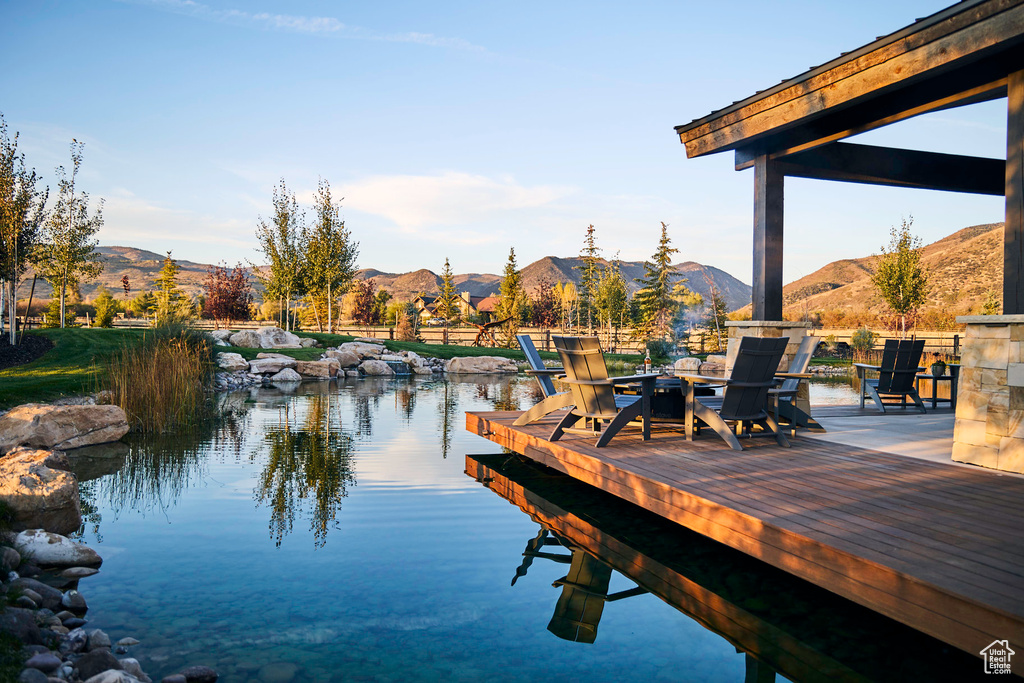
{"type": "Point", "coordinates": [796, 331]}
{"type": "Point", "coordinates": [989, 428]}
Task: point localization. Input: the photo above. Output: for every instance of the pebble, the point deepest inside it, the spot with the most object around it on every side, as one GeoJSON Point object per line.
{"type": "Point", "coordinates": [132, 666]}
{"type": "Point", "coordinates": [74, 622]}
{"type": "Point", "coordinates": [174, 678]}
{"type": "Point", "coordinates": [128, 642]}
{"type": "Point", "coordinates": [74, 601]}
{"type": "Point", "coordinates": [64, 614]}
{"type": "Point", "coordinates": [31, 594]}
{"type": "Point", "coordinates": [96, 662]}
{"type": "Point", "coordinates": [78, 572]}
{"type": "Point", "coordinates": [25, 602]}
{"type": "Point", "coordinates": [98, 639]}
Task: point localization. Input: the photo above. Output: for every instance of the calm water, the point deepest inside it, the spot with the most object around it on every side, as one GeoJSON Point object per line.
{"type": "Point", "coordinates": [333, 534]}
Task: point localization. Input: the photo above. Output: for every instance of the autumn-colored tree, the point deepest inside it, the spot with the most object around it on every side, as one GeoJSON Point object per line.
{"type": "Point", "coordinates": [364, 304]}
{"type": "Point", "coordinates": [228, 294]}
{"type": "Point", "coordinates": [545, 307]}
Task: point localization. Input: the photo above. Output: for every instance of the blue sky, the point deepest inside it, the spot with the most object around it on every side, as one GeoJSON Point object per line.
{"type": "Point", "coordinates": [453, 129]}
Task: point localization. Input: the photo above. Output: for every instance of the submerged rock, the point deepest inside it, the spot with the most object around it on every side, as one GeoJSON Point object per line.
{"type": "Point", "coordinates": [50, 549]}
{"type": "Point", "coordinates": [61, 427]}
{"type": "Point", "coordinates": [200, 674]}
{"type": "Point", "coordinates": [38, 495]}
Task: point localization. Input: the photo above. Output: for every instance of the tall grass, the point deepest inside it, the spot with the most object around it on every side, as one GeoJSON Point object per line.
{"type": "Point", "coordinates": [162, 383]}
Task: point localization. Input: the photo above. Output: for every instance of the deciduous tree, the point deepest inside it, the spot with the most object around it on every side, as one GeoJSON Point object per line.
{"type": "Point", "coordinates": [106, 308]}
{"type": "Point", "coordinates": [67, 255]}
{"type": "Point", "coordinates": [330, 253]}
{"type": "Point", "coordinates": [899, 277]}
{"type": "Point", "coordinates": [228, 294]}
{"type": "Point", "coordinates": [22, 214]}
{"type": "Point", "coordinates": [283, 245]}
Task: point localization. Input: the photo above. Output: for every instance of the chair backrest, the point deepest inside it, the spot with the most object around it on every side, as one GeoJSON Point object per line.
{"type": "Point", "coordinates": [533, 358]}
{"type": "Point", "coordinates": [582, 360]}
{"type": "Point", "coordinates": [584, 592]}
{"type": "Point", "coordinates": [753, 374]}
{"type": "Point", "coordinates": [800, 361]}
{"type": "Point", "coordinates": [900, 360]}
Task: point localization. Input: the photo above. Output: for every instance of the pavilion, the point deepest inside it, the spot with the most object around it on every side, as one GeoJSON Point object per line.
{"type": "Point", "coordinates": [970, 52]}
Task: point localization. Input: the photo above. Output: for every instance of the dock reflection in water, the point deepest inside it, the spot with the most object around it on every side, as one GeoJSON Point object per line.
{"type": "Point", "coordinates": [783, 624]}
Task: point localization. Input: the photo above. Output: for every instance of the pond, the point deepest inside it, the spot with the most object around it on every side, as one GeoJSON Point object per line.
{"type": "Point", "coordinates": [333, 533]}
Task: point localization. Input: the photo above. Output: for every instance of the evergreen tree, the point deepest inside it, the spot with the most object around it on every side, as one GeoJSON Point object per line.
{"type": "Point", "coordinates": [654, 298]}
{"type": "Point", "coordinates": [899, 276]}
{"type": "Point", "coordinates": [170, 302]}
{"type": "Point", "coordinates": [589, 276]}
{"type": "Point", "coordinates": [447, 304]}
{"type": "Point", "coordinates": [511, 300]}
{"type": "Point", "coordinates": [21, 217]}
{"type": "Point", "coordinates": [67, 253]}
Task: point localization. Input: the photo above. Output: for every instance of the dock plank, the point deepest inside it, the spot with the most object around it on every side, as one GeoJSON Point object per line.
{"type": "Point", "coordinates": [937, 547]}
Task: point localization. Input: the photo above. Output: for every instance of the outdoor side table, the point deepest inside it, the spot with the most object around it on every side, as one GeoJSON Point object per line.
{"type": "Point", "coordinates": [953, 379]}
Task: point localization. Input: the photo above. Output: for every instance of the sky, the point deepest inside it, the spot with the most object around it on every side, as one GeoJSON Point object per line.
{"type": "Point", "coordinates": [454, 130]}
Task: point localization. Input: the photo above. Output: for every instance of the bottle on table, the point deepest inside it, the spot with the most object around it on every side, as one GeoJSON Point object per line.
{"type": "Point", "coordinates": [647, 362]}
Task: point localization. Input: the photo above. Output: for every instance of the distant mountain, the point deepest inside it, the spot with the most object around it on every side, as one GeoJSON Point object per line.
{"type": "Point", "coordinates": [963, 268]}
{"type": "Point", "coordinates": [552, 269]}
{"type": "Point", "coordinates": [142, 267]}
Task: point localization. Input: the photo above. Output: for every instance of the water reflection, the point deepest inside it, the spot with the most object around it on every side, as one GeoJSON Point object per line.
{"type": "Point", "coordinates": [783, 624]}
{"type": "Point", "coordinates": [308, 460]}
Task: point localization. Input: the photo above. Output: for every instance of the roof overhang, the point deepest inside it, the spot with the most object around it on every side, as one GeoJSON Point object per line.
{"type": "Point", "coordinates": [961, 55]}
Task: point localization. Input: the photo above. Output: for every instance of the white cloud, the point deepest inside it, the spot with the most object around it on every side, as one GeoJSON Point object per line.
{"type": "Point", "coordinates": [129, 219]}
{"type": "Point", "coordinates": [323, 26]}
{"type": "Point", "coordinates": [448, 199]}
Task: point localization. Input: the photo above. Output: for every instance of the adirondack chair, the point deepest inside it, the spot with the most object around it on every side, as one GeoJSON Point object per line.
{"type": "Point", "coordinates": [594, 400]}
{"type": "Point", "coordinates": [553, 399]}
{"type": "Point", "coordinates": [744, 401]}
{"type": "Point", "coordinates": [900, 359]}
{"type": "Point", "coordinates": [784, 395]}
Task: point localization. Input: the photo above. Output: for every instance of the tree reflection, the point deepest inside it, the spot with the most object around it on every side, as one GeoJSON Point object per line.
{"type": "Point", "coordinates": [447, 413]}
{"type": "Point", "coordinates": [307, 463]}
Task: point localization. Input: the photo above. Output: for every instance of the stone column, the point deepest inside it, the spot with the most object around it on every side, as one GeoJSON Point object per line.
{"type": "Point", "coordinates": [989, 428]}
{"type": "Point", "coordinates": [796, 331]}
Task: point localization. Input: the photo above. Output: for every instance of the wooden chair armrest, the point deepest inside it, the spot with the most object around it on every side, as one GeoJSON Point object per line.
{"type": "Point", "coordinates": [794, 375]}
{"type": "Point", "coordinates": [865, 366]}
{"type": "Point", "coordinates": [702, 379]}
{"type": "Point", "coordinates": [634, 378]}
{"type": "Point", "coordinates": [546, 371]}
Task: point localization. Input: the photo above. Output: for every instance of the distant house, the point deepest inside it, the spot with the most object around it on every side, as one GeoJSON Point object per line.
{"type": "Point", "coordinates": [483, 306]}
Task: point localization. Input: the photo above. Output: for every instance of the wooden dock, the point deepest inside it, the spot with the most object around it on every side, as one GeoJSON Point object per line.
{"type": "Point", "coordinates": [937, 547]}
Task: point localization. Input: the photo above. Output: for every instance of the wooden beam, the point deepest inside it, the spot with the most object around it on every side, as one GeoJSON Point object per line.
{"type": "Point", "coordinates": [881, 112]}
{"type": "Point", "coordinates": [851, 163]}
{"type": "Point", "coordinates": [999, 33]}
{"type": "Point", "coordinates": [1013, 232]}
{"type": "Point", "coordinates": [766, 292]}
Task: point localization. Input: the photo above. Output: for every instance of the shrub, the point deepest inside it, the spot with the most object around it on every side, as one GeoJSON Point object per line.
{"type": "Point", "coordinates": [659, 350]}
{"type": "Point", "coordinates": [862, 341]}
{"type": "Point", "coordinates": [162, 383]}
{"type": "Point", "coordinates": [105, 307]}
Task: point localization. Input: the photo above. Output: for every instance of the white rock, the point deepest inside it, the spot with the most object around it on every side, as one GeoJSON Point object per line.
{"type": "Point", "coordinates": [321, 369]}
{"type": "Point", "coordinates": [127, 642]}
{"type": "Point", "coordinates": [689, 364]}
{"type": "Point", "coordinates": [286, 375]}
{"type": "Point", "coordinates": [269, 366]}
{"type": "Point", "coordinates": [48, 549]}
{"type": "Point", "coordinates": [221, 335]}
{"type": "Point", "coordinates": [247, 339]}
{"type": "Point", "coordinates": [472, 365]}
{"type": "Point", "coordinates": [61, 427]}
{"type": "Point", "coordinates": [421, 370]}
{"type": "Point", "coordinates": [272, 337]}
{"type": "Point", "coordinates": [377, 368]}
{"type": "Point", "coordinates": [132, 666]}
{"type": "Point", "coordinates": [352, 373]}
{"type": "Point", "coordinates": [391, 357]}
{"type": "Point", "coordinates": [232, 362]}
{"type": "Point", "coordinates": [307, 342]}
{"type": "Point", "coordinates": [113, 676]}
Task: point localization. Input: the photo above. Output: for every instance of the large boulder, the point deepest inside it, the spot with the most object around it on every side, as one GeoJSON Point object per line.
{"type": "Point", "coordinates": [47, 549]}
{"type": "Point", "coordinates": [689, 364]}
{"type": "Point", "coordinates": [21, 623]}
{"type": "Point", "coordinates": [222, 336]}
{"type": "Point", "coordinates": [232, 362]}
{"type": "Point", "coordinates": [362, 349]}
{"type": "Point", "coordinates": [61, 427]}
{"type": "Point", "coordinates": [346, 359]}
{"type": "Point", "coordinates": [308, 342]}
{"type": "Point", "coordinates": [321, 369]}
{"type": "Point", "coordinates": [270, 366]}
{"type": "Point", "coordinates": [247, 339]}
{"type": "Point", "coordinates": [40, 492]}
{"type": "Point", "coordinates": [272, 337]}
{"type": "Point", "coordinates": [376, 368]}
{"type": "Point", "coordinates": [477, 365]}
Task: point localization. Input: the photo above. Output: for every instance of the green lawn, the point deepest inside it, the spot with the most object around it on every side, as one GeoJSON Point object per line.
{"type": "Point", "coordinates": [73, 364]}
{"type": "Point", "coordinates": [70, 367]}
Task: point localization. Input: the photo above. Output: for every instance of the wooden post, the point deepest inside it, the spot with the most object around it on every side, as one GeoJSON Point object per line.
{"type": "Point", "coordinates": [766, 292]}
{"type": "Point", "coordinates": [1013, 233]}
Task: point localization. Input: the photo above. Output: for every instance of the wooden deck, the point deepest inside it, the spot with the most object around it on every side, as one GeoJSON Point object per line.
{"type": "Point", "coordinates": [937, 547]}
